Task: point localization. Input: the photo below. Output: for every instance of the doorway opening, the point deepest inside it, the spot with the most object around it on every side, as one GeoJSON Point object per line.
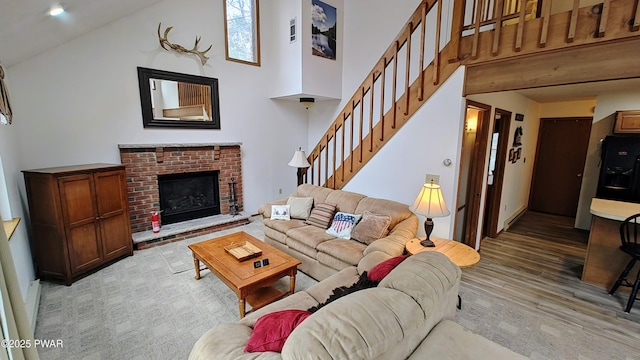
{"type": "Point", "coordinates": [472, 165]}
{"type": "Point", "coordinates": [495, 172]}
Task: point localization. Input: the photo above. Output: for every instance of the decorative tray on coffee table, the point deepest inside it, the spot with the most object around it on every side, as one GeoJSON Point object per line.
{"type": "Point", "coordinates": [243, 251]}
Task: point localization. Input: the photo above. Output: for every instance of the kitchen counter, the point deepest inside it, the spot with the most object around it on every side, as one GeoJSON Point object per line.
{"type": "Point", "coordinates": [604, 260]}
{"type": "Point", "coordinates": [613, 210]}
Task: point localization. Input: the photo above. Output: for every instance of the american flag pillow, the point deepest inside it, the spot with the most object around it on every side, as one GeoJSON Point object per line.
{"type": "Point", "coordinates": [342, 224]}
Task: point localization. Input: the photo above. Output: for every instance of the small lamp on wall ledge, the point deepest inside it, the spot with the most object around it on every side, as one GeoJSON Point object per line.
{"type": "Point", "coordinates": [307, 102]}
{"type": "Point", "coordinates": [430, 203]}
{"type": "Point", "coordinates": [299, 161]}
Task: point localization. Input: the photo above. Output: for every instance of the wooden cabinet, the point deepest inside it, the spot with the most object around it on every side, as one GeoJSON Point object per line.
{"type": "Point", "coordinates": [627, 122]}
{"type": "Point", "coordinates": [79, 218]}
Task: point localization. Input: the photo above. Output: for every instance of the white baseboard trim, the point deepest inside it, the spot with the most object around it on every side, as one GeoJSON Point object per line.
{"type": "Point", "coordinates": [513, 218]}
{"type": "Point", "coordinates": [33, 302]}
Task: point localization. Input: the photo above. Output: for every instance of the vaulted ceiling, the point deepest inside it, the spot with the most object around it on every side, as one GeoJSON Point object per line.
{"type": "Point", "coordinates": [26, 29]}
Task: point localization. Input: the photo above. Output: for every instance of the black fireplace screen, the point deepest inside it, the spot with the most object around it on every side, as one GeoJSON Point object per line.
{"type": "Point", "coordinates": [188, 196]}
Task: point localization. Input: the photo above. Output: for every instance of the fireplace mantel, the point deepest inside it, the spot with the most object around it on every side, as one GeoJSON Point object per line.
{"type": "Point", "coordinates": [176, 145]}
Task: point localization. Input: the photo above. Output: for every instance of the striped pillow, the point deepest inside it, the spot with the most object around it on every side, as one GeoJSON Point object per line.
{"type": "Point", "coordinates": [321, 215]}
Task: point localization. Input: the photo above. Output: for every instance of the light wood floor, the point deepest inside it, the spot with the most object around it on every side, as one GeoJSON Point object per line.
{"type": "Point", "coordinates": [538, 264]}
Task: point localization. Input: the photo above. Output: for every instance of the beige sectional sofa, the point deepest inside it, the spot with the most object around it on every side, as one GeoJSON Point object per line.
{"type": "Point", "coordinates": [323, 255]}
{"type": "Point", "coordinates": [407, 316]}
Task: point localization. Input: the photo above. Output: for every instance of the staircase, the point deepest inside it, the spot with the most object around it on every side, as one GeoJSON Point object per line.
{"type": "Point", "coordinates": [413, 67]}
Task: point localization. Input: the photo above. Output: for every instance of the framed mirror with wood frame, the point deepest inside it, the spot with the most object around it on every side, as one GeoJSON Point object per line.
{"type": "Point", "coordinates": [176, 100]}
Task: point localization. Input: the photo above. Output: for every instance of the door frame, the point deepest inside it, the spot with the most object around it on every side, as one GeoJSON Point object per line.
{"type": "Point", "coordinates": [492, 205]}
{"type": "Point", "coordinates": [476, 173]}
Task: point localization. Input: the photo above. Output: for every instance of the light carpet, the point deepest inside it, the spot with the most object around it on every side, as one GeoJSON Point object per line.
{"type": "Point", "coordinates": [149, 306]}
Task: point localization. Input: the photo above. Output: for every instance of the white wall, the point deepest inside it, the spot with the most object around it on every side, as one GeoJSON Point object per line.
{"type": "Point", "coordinates": [19, 242]}
{"type": "Point", "coordinates": [286, 74]}
{"type": "Point", "coordinates": [77, 102]}
{"type": "Point", "coordinates": [297, 72]}
{"type": "Point", "coordinates": [320, 76]}
{"type": "Point", "coordinates": [432, 135]}
{"type": "Point", "coordinates": [385, 176]}
{"type": "Point", "coordinates": [381, 24]}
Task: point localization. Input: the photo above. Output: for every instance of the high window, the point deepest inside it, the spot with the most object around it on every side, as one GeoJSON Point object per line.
{"type": "Point", "coordinates": [242, 31]}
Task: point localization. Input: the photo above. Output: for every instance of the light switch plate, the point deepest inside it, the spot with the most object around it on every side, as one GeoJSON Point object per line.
{"type": "Point", "coordinates": [434, 178]}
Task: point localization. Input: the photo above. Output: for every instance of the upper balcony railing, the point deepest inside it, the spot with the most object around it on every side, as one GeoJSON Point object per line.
{"type": "Point", "coordinates": [516, 27]}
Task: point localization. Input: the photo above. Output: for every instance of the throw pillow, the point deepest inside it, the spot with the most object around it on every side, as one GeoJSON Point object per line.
{"type": "Point", "coordinates": [272, 330]}
{"type": "Point", "coordinates": [371, 228]}
{"type": "Point", "coordinates": [321, 215]}
{"type": "Point", "coordinates": [300, 207]}
{"type": "Point", "coordinates": [378, 272]}
{"type": "Point", "coordinates": [342, 224]}
{"type": "Point", "coordinates": [280, 212]}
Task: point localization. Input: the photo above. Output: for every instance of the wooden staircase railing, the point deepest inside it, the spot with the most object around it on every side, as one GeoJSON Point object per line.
{"type": "Point", "coordinates": [413, 68]}
{"type": "Point", "coordinates": [394, 90]}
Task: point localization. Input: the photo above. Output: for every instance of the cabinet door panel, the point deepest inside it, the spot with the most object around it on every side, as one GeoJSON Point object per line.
{"type": "Point", "coordinates": [115, 236]}
{"type": "Point", "coordinates": [627, 122]}
{"type": "Point", "coordinates": [78, 204]}
{"type": "Point", "coordinates": [110, 193]}
{"type": "Point", "coordinates": [79, 211]}
{"type": "Point", "coordinates": [111, 198]}
{"type": "Point", "coordinates": [84, 248]}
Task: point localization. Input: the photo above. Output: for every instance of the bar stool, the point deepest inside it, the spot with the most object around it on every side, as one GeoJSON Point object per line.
{"type": "Point", "coordinates": [630, 245]}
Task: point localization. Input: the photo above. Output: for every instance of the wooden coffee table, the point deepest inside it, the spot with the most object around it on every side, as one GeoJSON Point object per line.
{"type": "Point", "coordinates": [252, 285]}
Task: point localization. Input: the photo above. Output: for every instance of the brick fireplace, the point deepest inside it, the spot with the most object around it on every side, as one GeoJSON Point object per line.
{"type": "Point", "coordinates": [145, 162]}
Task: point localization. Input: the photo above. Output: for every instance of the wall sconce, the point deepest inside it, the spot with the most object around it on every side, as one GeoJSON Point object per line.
{"type": "Point", "coordinates": [307, 102]}
{"type": "Point", "coordinates": [299, 160]}
{"type": "Point", "coordinates": [471, 124]}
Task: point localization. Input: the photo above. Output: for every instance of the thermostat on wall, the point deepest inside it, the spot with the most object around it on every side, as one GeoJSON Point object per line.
{"type": "Point", "coordinates": [292, 30]}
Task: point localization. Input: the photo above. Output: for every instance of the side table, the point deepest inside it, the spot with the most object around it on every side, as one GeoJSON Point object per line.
{"type": "Point", "coordinates": [460, 254]}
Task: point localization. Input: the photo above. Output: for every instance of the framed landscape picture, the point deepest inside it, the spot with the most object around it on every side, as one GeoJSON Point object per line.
{"type": "Point", "coordinates": [323, 29]}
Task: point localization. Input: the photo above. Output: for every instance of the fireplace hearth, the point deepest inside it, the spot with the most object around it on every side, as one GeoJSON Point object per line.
{"type": "Point", "coordinates": [188, 196]}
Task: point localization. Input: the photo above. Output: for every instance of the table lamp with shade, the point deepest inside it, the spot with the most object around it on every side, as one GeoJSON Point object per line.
{"type": "Point", "coordinates": [299, 161]}
{"type": "Point", "coordinates": [430, 203]}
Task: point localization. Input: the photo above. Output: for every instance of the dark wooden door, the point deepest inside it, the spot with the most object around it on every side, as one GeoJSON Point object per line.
{"type": "Point", "coordinates": [497, 161]}
{"type": "Point", "coordinates": [557, 177]}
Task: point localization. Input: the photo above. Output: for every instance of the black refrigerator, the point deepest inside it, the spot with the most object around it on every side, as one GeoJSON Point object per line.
{"type": "Point", "coordinates": [620, 169]}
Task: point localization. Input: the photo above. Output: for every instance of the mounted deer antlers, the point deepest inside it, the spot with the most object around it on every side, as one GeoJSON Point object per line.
{"type": "Point", "coordinates": [164, 42]}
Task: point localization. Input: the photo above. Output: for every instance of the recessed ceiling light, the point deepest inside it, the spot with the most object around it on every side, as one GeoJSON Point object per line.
{"type": "Point", "coordinates": [56, 10]}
